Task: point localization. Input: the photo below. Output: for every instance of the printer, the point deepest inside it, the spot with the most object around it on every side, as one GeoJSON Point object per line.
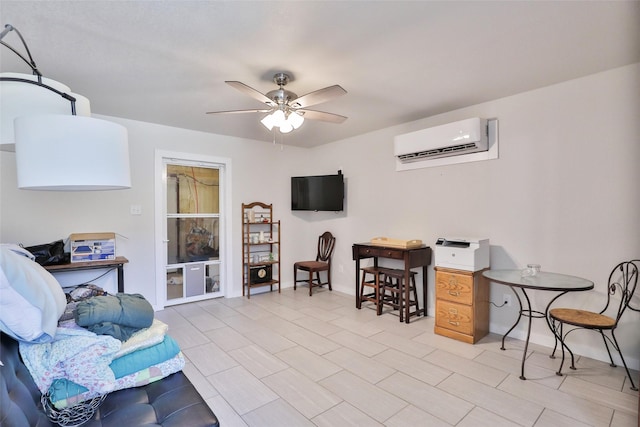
{"type": "Point", "coordinates": [469, 254]}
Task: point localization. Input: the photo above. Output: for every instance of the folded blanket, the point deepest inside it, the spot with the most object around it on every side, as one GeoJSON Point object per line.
{"type": "Point", "coordinates": [64, 393]}
{"type": "Point", "coordinates": [132, 370]}
{"type": "Point", "coordinates": [141, 359]}
{"type": "Point", "coordinates": [144, 338]}
{"type": "Point", "coordinates": [75, 354]}
{"type": "Point", "coordinates": [119, 316]}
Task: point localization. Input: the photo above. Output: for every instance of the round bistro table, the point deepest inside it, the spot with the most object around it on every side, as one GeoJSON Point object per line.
{"type": "Point", "coordinates": [542, 281]}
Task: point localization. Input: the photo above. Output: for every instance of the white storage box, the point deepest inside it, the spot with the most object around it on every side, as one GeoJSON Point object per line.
{"type": "Point", "coordinates": [92, 246]}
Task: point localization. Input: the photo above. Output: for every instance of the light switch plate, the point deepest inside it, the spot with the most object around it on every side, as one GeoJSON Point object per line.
{"type": "Point", "coordinates": [136, 210]}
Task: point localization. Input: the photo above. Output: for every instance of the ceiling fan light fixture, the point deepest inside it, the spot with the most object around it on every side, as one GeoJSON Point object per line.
{"type": "Point", "coordinates": [286, 127]}
{"type": "Point", "coordinates": [286, 122]}
{"type": "Point", "coordinates": [295, 119]}
{"type": "Point", "coordinates": [267, 121]}
{"type": "Point", "coordinates": [278, 118]}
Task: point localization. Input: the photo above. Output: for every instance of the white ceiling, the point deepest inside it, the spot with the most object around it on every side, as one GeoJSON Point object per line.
{"type": "Point", "coordinates": [166, 61]}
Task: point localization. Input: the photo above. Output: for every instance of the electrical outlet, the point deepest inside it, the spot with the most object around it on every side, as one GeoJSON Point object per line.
{"type": "Point", "coordinates": [507, 300]}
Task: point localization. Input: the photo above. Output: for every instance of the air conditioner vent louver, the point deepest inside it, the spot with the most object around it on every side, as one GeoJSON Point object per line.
{"type": "Point", "coordinates": [438, 152]}
{"type": "Point", "coordinates": [452, 139]}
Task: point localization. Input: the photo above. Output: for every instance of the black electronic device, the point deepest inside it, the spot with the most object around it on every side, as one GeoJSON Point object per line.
{"type": "Point", "coordinates": [261, 274]}
{"type": "Point", "coordinates": [317, 193]}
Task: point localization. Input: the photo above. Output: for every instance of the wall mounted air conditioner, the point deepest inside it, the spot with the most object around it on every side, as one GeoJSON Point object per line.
{"type": "Point", "coordinates": [452, 139]}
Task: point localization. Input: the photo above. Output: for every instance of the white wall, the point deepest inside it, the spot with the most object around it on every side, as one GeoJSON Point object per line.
{"type": "Point", "coordinates": [563, 193]}
{"type": "Point", "coordinates": [260, 173]}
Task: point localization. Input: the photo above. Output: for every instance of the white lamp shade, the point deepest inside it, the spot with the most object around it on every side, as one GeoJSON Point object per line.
{"type": "Point", "coordinates": [267, 121]}
{"type": "Point", "coordinates": [21, 99]}
{"type": "Point", "coordinates": [278, 118]}
{"type": "Point", "coordinates": [286, 127]}
{"type": "Point", "coordinates": [71, 153]}
{"type": "Point", "coordinates": [295, 119]}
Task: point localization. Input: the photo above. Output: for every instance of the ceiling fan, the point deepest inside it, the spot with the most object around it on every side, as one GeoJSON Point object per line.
{"type": "Point", "coordinates": [285, 109]}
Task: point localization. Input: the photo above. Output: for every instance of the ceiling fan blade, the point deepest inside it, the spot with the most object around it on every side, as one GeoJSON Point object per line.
{"type": "Point", "coordinates": [318, 96]}
{"type": "Point", "coordinates": [238, 111]}
{"type": "Point", "coordinates": [251, 92]}
{"type": "Point", "coordinates": [322, 116]}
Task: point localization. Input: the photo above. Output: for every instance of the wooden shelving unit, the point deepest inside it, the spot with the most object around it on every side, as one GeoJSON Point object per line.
{"type": "Point", "coordinates": [260, 247]}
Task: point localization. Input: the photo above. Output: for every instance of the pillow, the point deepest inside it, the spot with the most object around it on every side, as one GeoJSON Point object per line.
{"type": "Point", "coordinates": [31, 299]}
{"type": "Point", "coordinates": [19, 250]}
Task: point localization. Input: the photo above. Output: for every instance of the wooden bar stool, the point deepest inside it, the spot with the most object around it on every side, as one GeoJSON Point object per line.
{"type": "Point", "coordinates": [394, 297]}
{"type": "Point", "coordinates": [374, 282]}
{"type": "Point", "coordinates": [407, 296]}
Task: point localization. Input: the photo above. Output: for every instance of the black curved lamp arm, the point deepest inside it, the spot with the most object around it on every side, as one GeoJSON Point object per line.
{"type": "Point", "coordinates": [32, 64]}
{"type": "Point", "coordinates": [38, 83]}
{"type": "Point", "coordinates": [637, 263]}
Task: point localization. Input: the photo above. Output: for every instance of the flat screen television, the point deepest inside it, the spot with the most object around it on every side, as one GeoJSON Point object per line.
{"type": "Point", "coordinates": [317, 193]}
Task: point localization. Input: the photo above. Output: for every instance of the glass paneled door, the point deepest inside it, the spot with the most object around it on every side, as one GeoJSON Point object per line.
{"type": "Point", "coordinates": [193, 229]}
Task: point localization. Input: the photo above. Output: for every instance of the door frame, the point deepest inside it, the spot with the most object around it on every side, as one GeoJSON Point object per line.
{"type": "Point", "coordinates": [226, 249]}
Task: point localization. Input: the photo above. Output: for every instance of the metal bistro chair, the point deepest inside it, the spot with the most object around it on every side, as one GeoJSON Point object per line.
{"type": "Point", "coordinates": [623, 281]}
{"type": "Point", "coordinates": [326, 243]}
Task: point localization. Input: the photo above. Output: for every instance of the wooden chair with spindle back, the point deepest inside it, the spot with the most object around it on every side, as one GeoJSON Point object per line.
{"type": "Point", "coordinates": [326, 244]}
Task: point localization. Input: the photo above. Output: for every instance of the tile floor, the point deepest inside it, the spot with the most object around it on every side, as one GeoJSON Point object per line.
{"type": "Point", "coordinates": [293, 360]}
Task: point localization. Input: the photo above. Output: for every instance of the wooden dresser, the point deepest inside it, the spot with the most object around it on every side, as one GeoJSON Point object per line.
{"type": "Point", "coordinates": [462, 304]}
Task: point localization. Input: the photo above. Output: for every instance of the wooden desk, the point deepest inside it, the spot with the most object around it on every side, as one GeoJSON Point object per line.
{"type": "Point", "coordinates": [117, 263]}
{"type": "Point", "coordinates": [412, 258]}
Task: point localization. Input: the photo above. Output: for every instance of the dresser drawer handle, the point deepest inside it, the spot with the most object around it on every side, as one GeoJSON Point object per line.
{"type": "Point", "coordinates": [454, 323]}
{"type": "Point", "coordinates": [454, 293]}
{"type": "Point", "coordinates": [453, 311]}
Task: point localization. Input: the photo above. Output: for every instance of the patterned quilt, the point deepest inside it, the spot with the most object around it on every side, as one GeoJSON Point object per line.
{"type": "Point", "coordinates": [78, 364]}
